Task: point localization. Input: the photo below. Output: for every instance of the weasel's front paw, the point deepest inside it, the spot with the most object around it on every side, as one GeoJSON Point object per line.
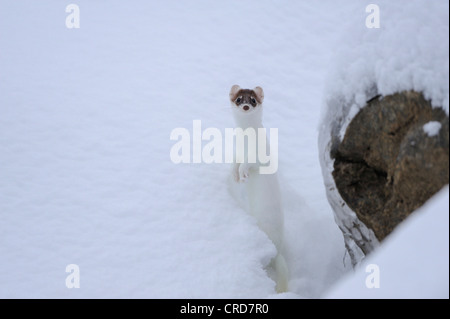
{"type": "Point", "coordinates": [243, 172]}
{"type": "Point", "coordinates": [235, 173]}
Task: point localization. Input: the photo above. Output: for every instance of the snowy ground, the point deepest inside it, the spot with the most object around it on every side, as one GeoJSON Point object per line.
{"type": "Point", "coordinates": [412, 263]}
{"type": "Point", "coordinates": [85, 172]}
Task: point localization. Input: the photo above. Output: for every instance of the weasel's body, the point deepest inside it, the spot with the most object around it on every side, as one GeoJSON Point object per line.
{"type": "Point", "coordinates": [262, 190]}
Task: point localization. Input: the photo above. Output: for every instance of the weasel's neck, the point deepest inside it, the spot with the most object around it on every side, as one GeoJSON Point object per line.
{"type": "Point", "coordinates": [244, 120]}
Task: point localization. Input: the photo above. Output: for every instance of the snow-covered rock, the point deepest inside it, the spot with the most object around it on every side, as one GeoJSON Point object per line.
{"type": "Point", "coordinates": [408, 53]}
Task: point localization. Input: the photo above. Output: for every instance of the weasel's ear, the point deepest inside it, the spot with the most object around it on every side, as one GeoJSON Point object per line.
{"type": "Point", "coordinates": [234, 91]}
{"type": "Point", "coordinates": [259, 94]}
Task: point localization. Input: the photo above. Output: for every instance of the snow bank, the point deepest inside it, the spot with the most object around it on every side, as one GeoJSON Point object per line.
{"type": "Point", "coordinates": [410, 51]}
{"type": "Point", "coordinates": [85, 170]}
{"type": "Point", "coordinates": [413, 261]}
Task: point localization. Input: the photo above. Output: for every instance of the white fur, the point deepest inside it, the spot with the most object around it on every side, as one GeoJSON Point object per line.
{"type": "Point", "coordinates": [263, 195]}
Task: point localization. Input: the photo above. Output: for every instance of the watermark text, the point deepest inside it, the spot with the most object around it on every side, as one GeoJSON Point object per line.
{"type": "Point", "coordinates": [236, 145]}
{"type": "Point", "coordinates": [373, 19]}
{"type": "Point", "coordinates": [73, 19]}
{"type": "Point", "coordinates": [73, 279]}
{"type": "Point", "coordinates": [373, 278]}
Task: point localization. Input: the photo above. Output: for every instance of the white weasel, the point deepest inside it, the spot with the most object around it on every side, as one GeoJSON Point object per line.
{"type": "Point", "coordinates": [262, 190]}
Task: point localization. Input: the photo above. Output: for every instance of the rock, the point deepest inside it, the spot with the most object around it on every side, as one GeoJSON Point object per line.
{"type": "Point", "coordinates": [387, 165]}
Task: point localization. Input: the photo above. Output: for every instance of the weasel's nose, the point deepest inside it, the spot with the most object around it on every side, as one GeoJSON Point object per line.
{"type": "Point", "coordinates": [246, 107]}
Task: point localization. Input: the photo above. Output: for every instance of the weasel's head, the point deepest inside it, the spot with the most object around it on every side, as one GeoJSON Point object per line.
{"type": "Point", "coordinates": [245, 100]}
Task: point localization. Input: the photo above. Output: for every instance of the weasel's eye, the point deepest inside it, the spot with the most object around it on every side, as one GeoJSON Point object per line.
{"type": "Point", "coordinates": [253, 100]}
{"type": "Point", "coordinates": [238, 100]}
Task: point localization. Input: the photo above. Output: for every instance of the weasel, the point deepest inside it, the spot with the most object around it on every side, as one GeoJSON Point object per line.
{"type": "Point", "coordinates": [262, 190]}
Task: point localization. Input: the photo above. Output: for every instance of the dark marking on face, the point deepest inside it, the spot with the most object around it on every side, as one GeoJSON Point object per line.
{"type": "Point", "coordinates": [246, 96]}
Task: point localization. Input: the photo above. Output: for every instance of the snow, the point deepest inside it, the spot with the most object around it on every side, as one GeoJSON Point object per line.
{"type": "Point", "coordinates": [85, 170]}
{"type": "Point", "coordinates": [410, 266]}
{"type": "Point", "coordinates": [410, 51]}
{"type": "Point", "coordinates": [432, 128]}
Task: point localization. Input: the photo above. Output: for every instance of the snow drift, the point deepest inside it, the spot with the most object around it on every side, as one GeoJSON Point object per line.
{"type": "Point", "coordinates": [413, 262]}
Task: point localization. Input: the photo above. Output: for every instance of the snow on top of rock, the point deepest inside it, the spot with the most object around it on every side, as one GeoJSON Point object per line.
{"type": "Point", "coordinates": [409, 51]}
{"type": "Point", "coordinates": [432, 128]}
